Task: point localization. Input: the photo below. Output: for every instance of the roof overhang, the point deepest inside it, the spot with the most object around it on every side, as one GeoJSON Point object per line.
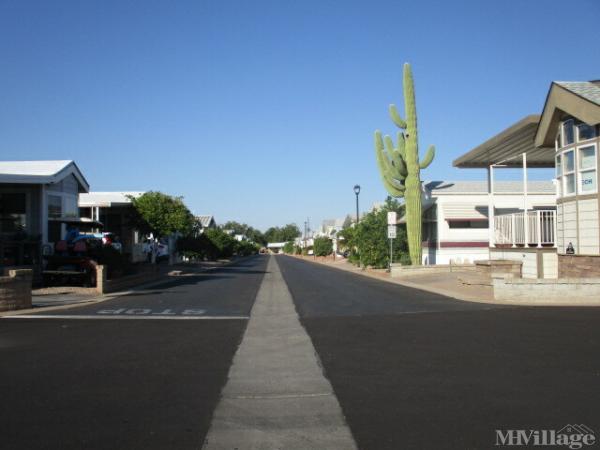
{"type": "Point", "coordinates": [562, 101]}
{"type": "Point", "coordinates": [506, 146]}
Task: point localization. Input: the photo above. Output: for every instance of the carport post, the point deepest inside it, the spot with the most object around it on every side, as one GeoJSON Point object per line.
{"type": "Point", "coordinates": [525, 217]}
{"type": "Point", "coordinates": [490, 173]}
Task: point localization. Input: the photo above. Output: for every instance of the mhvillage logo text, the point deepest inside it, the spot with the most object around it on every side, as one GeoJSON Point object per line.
{"type": "Point", "coordinates": [571, 436]}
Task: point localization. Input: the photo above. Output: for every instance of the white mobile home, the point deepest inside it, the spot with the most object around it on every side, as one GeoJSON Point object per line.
{"type": "Point", "coordinates": [456, 225]}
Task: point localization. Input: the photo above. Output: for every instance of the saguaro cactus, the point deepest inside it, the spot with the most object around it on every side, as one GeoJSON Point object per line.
{"type": "Point", "coordinates": [400, 167]}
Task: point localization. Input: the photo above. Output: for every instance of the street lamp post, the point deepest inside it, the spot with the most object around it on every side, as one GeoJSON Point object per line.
{"type": "Point", "coordinates": [357, 191]}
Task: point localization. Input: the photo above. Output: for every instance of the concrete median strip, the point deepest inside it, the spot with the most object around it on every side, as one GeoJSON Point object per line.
{"type": "Point", "coordinates": [276, 395]}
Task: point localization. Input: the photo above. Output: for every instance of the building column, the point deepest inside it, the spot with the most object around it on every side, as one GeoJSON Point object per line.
{"type": "Point", "coordinates": [491, 222]}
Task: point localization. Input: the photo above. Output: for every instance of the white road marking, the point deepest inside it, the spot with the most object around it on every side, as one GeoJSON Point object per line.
{"type": "Point", "coordinates": [123, 317]}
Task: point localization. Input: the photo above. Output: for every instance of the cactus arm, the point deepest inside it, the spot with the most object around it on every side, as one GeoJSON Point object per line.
{"type": "Point", "coordinates": [394, 188]}
{"type": "Point", "coordinates": [389, 144]}
{"type": "Point", "coordinates": [428, 157]}
{"type": "Point", "coordinates": [396, 157]}
{"type": "Point", "coordinates": [385, 166]}
{"type": "Point", "coordinates": [387, 170]}
{"type": "Point", "coordinates": [401, 145]}
{"type": "Point", "coordinates": [396, 117]}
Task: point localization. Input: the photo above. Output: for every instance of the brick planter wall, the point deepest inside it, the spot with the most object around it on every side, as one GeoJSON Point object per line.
{"type": "Point", "coordinates": [578, 266]}
{"type": "Point", "coordinates": [105, 286]}
{"type": "Point", "coordinates": [15, 290]}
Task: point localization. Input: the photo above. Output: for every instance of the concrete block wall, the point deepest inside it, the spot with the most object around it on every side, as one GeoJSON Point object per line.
{"type": "Point", "coordinates": [576, 291]}
{"type": "Point", "coordinates": [15, 290]}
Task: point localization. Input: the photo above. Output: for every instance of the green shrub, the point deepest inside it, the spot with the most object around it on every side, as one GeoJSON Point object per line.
{"type": "Point", "coordinates": [246, 248]}
{"type": "Point", "coordinates": [288, 247]}
{"type": "Point", "coordinates": [323, 246]}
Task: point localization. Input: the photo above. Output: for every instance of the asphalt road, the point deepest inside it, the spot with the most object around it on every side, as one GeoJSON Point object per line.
{"type": "Point", "coordinates": [410, 369]}
{"type": "Point", "coordinates": [416, 370]}
{"type": "Point", "coordinates": [78, 383]}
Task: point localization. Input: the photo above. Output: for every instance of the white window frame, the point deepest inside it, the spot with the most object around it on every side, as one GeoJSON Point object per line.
{"type": "Point", "coordinates": [588, 139]}
{"type": "Point", "coordinates": [563, 134]}
{"type": "Point", "coordinates": [588, 169]}
{"type": "Point", "coordinates": [558, 174]}
{"type": "Point", "coordinates": [565, 173]}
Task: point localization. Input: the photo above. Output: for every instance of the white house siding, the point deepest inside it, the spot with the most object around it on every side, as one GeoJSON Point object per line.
{"type": "Point", "coordinates": [550, 264]}
{"type": "Point", "coordinates": [588, 227]}
{"type": "Point", "coordinates": [569, 226]}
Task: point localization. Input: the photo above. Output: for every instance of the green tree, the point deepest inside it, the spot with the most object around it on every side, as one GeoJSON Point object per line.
{"type": "Point", "coordinates": [161, 215]}
{"type": "Point", "coordinates": [246, 248]}
{"type": "Point", "coordinates": [241, 228]}
{"type": "Point", "coordinates": [286, 233]}
{"type": "Point", "coordinates": [323, 246]}
{"type": "Point", "coordinates": [197, 247]}
{"type": "Point", "coordinates": [225, 244]}
{"type": "Point", "coordinates": [368, 242]}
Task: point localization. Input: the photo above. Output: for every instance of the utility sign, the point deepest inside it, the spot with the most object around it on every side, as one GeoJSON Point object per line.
{"type": "Point", "coordinates": [391, 231]}
{"type": "Point", "coordinates": [392, 218]}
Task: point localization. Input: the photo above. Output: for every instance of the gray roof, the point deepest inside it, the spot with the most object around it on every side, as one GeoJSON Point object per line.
{"type": "Point", "coordinates": [41, 172]}
{"type": "Point", "coordinates": [590, 90]}
{"type": "Point", "coordinates": [480, 187]}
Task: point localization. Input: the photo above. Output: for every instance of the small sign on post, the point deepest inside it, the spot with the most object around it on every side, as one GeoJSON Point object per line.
{"type": "Point", "coordinates": [391, 231]}
{"type": "Point", "coordinates": [392, 218]}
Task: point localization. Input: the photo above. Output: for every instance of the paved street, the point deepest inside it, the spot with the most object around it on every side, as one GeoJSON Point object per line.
{"type": "Point", "coordinates": [326, 359]}
{"type": "Point", "coordinates": [119, 383]}
{"type": "Point", "coordinates": [415, 370]}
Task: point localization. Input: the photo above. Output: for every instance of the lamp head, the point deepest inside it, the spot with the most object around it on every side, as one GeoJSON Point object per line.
{"type": "Point", "coordinates": [356, 189]}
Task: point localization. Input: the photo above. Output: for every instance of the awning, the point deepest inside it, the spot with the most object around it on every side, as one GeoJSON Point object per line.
{"type": "Point", "coordinates": [506, 146]}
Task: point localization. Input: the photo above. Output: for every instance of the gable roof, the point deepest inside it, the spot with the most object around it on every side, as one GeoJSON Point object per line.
{"type": "Point", "coordinates": [41, 172]}
{"type": "Point", "coordinates": [107, 199]}
{"type": "Point", "coordinates": [580, 99]}
{"type": "Point", "coordinates": [481, 187]}
{"type": "Point", "coordinates": [206, 220]}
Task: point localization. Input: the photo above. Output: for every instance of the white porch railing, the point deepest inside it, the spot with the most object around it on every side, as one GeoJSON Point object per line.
{"type": "Point", "coordinates": [509, 229]}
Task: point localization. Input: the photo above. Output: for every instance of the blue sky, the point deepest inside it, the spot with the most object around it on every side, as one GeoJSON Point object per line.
{"type": "Point", "coordinates": [264, 112]}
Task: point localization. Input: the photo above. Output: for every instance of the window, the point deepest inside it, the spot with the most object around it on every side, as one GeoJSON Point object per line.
{"type": "Point", "coordinates": [568, 169]}
{"type": "Point", "coordinates": [13, 212]}
{"type": "Point", "coordinates": [587, 169]}
{"type": "Point", "coordinates": [467, 224]}
{"type": "Point", "coordinates": [558, 166]}
{"type": "Point", "coordinates": [54, 206]}
{"type": "Point", "coordinates": [568, 132]}
{"type": "Point", "coordinates": [585, 132]}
